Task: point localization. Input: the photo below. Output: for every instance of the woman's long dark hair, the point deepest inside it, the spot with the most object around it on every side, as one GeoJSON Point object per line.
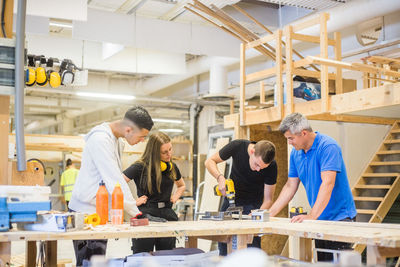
{"type": "Point", "coordinates": [151, 159]}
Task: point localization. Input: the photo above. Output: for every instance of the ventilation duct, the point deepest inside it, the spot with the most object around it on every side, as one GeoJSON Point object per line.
{"type": "Point", "coordinates": [218, 84]}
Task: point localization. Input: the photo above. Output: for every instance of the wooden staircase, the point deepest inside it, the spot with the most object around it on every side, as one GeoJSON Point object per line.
{"type": "Point", "coordinates": [378, 187]}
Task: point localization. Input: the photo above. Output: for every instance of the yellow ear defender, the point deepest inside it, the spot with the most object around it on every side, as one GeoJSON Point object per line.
{"type": "Point", "coordinates": [41, 77]}
{"type": "Point", "coordinates": [30, 74]}
{"type": "Point", "coordinates": [53, 77]}
{"type": "Point", "coordinates": [166, 166]}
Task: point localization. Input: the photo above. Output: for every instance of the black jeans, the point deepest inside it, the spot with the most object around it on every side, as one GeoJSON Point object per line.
{"type": "Point", "coordinates": [222, 247]}
{"type": "Point", "coordinates": [163, 243]}
{"type": "Point", "coordinates": [85, 249]}
{"type": "Point", "coordinates": [334, 245]}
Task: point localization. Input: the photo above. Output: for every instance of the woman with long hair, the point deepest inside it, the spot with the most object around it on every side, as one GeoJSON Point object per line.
{"type": "Point", "coordinates": [155, 175]}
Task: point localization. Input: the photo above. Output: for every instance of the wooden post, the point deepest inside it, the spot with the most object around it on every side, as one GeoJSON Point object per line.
{"type": "Point", "coordinates": [242, 111]}
{"type": "Point", "coordinates": [289, 68]}
{"type": "Point", "coordinates": [366, 81]}
{"type": "Point", "coordinates": [4, 131]}
{"type": "Point", "coordinates": [262, 92]}
{"type": "Point", "coordinates": [5, 253]}
{"type": "Point", "coordinates": [31, 251]}
{"type": "Point", "coordinates": [279, 73]}
{"type": "Point", "coordinates": [324, 68]}
{"type": "Point", "coordinates": [305, 247]}
{"type": "Point", "coordinates": [338, 56]}
{"type": "Point", "coordinates": [51, 253]}
{"type": "Point", "coordinates": [232, 107]}
{"type": "Point", "coordinates": [191, 242]}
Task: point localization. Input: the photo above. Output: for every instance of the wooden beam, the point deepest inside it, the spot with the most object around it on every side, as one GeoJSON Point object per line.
{"type": "Point", "coordinates": [242, 84]}
{"type": "Point", "coordinates": [258, 42]}
{"type": "Point", "coordinates": [269, 31]}
{"type": "Point", "coordinates": [352, 119]}
{"type": "Point", "coordinates": [324, 54]}
{"type": "Point", "coordinates": [260, 75]}
{"type": "Point", "coordinates": [288, 31]}
{"type": "Point", "coordinates": [366, 99]}
{"type": "Point", "coordinates": [262, 92]}
{"type": "Point", "coordinates": [279, 74]}
{"type": "Point", "coordinates": [4, 131]}
{"type": "Point", "coordinates": [352, 66]}
{"type": "Point", "coordinates": [306, 24]}
{"type": "Point", "coordinates": [215, 24]}
{"type": "Point", "coordinates": [365, 77]}
{"type": "Point", "coordinates": [311, 39]}
{"type": "Point", "coordinates": [311, 73]}
{"type": "Point", "coordinates": [338, 57]}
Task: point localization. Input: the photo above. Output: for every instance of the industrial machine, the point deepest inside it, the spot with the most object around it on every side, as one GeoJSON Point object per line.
{"type": "Point", "coordinates": [20, 204]}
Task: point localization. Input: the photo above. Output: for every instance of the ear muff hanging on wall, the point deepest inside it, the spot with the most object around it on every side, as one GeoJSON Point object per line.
{"type": "Point", "coordinates": [166, 166]}
{"type": "Point", "coordinates": [41, 77]}
{"type": "Point", "coordinates": [30, 74]}
{"type": "Point", "coordinates": [52, 76]}
{"type": "Point", "coordinates": [66, 72]}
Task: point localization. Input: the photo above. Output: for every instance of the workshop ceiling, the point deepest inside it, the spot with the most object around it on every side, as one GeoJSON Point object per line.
{"type": "Point", "coordinates": [46, 111]}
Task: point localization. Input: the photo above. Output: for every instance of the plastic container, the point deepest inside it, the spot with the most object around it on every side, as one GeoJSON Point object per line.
{"type": "Point", "coordinates": [102, 203]}
{"type": "Point", "coordinates": [117, 205]}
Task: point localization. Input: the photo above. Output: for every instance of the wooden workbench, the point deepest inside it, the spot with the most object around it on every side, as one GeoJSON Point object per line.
{"type": "Point", "coordinates": [383, 240]}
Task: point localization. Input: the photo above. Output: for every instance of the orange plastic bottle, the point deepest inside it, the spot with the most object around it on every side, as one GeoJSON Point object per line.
{"type": "Point", "coordinates": [117, 205]}
{"type": "Point", "coordinates": [102, 203]}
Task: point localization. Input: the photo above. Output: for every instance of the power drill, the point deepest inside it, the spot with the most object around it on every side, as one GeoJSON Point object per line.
{"type": "Point", "coordinates": [230, 192]}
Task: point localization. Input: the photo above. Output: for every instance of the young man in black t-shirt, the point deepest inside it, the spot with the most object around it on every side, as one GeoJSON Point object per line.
{"type": "Point", "coordinates": [254, 173]}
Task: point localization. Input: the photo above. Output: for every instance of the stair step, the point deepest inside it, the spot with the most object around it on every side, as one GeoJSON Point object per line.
{"type": "Point", "coordinates": [388, 152]}
{"type": "Point", "coordinates": [368, 199]}
{"type": "Point", "coordinates": [381, 174]}
{"type": "Point", "coordinates": [391, 142]}
{"type": "Point", "coordinates": [384, 163]}
{"type": "Point", "coordinates": [362, 211]}
{"type": "Point", "coordinates": [373, 186]}
{"type": "Point", "coordinates": [395, 131]}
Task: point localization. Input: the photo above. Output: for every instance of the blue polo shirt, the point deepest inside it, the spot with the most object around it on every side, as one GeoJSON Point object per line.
{"type": "Point", "coordinates": [324, 155]}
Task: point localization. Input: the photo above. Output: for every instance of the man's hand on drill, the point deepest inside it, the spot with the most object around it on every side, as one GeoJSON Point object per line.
{"type": "Point", "coordinates": [221, 185]}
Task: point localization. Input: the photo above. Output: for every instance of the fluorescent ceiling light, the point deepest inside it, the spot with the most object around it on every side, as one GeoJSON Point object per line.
{"type": "Point", "coordinates": [107, 96]}
{"type": "Point", "coordinates": [59, 24]}
{"type": "Point", "coordinates": [168, 121]}
{"type": "Point", "coordinates": [171, 130]}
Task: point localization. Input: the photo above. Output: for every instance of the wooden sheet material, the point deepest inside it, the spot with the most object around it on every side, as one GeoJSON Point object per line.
{"type": "Point", "coordinates": [210, 202]}
{"type": "Point", "coordinates": [385, 235]}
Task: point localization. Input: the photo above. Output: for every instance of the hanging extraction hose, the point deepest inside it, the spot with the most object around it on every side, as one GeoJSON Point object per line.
{"type": "Point", "coordinates": [197, 109]}
{"type": "Point", "coordinates": [20, 85]}
{"type": "Point", "coordinates": [3, 22]}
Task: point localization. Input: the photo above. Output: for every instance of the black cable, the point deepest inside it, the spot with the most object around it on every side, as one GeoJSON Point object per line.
{"type": "Point", "coordinates": [3, 23]}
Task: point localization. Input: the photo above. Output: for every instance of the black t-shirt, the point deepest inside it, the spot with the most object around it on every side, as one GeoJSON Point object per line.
{"type": "Point", "coordinates": [138, 173]}
{"type": "Point", "coordinates": [249, 184]}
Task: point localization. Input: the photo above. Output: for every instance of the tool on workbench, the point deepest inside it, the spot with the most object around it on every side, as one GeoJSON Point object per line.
{"type": "Point", "coordinates": [55, 221]}
{"type": "Point", "coordinates": [260, 215]}
{"type": "Point", "coordinates": [294, 211]}
{"type": "Point", "coordinates": [93, 219]}
{"type": "Point", "coordinates": [20, 204]}
{"type": "Point", "coordinates": [139, 220]}
{"type": "Point", "coordinates": [232, 209]}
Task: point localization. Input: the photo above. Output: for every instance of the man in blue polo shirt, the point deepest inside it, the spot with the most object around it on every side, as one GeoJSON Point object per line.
{"type": "Point", "coordinates": [317, 162]}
